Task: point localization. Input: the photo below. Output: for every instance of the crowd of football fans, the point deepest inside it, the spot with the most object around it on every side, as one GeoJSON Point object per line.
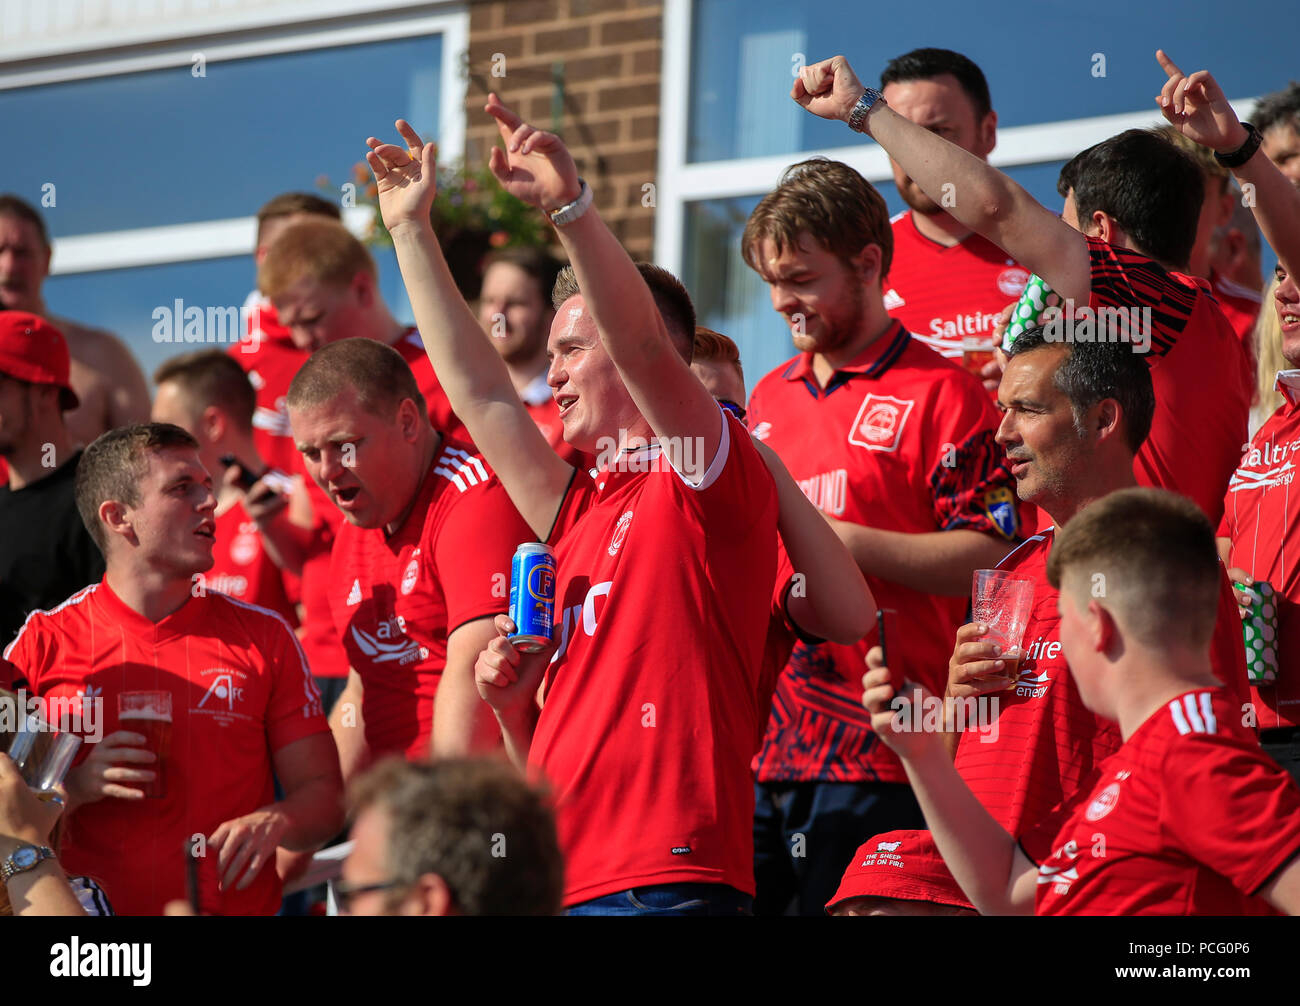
{"type": "Point", "coordinates": [302, 548]}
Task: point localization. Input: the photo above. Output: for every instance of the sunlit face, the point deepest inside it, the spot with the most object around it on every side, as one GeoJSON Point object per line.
{"type": "Point", "coordinates": [317, 314]}
{"type": "Point", "coordinates": [821, 298]}
{"type": "Point", "coordinates": [16, 414]}
{"type": "Point", "coordinates": [1286, 300]}
{"type": "Point", "coordinates": [365, 463]}
{"type": "Point", "coordinates": [514, 312]}
{"type": "Point", "coordinates": [586, 386]}
{"type": "Point", "coordinates": [1282, 146]}
{"type": "Point", "coordinates": [172, 405]}
{"type": "Point", "coordinates": [24, 264]}
{"type": "Point", "coordinates": [173, 524]}
{"type": "Point", "coordinates": [1037, 428]}
{"type": "Point", "coordinates": [941, 106]}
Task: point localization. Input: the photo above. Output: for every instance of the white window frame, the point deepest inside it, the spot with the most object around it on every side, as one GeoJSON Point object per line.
{"type": "Point", "coordinates": [264, 35]}
{"type": "Point", "coordinates": [681, 182]}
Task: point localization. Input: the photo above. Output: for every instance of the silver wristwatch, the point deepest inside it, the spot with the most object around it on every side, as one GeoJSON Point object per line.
{"type": "Point", "coordinates": [22, 859]}
{"type": "Point", "coordinates": [858, 117]}
{"type": "Point", "coordinates": [570, 212]}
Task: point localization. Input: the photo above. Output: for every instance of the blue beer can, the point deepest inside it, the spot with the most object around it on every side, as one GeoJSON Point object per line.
{"type": "Point", "coordinates": [532, 596]}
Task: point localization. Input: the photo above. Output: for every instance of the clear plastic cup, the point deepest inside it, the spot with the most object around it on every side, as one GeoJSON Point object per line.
{"type": "Point", "coordinates": [1003, 601]}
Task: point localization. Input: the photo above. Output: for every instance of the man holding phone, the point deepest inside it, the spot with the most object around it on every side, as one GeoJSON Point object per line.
{"type": "Point", "coordinates": [208, 395]}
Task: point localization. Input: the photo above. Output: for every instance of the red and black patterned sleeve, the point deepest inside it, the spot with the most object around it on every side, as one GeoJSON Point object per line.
{"type": "Point", "coordinates": [970, 478]}
{"type": "Point", "coordinates": [1123, 279]}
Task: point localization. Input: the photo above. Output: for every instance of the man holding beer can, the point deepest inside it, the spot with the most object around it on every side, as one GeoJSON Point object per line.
{"type": "Point", "coordinates": [201, 697]}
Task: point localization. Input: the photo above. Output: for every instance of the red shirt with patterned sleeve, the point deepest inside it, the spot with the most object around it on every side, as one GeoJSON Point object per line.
{"type": "Point", "coordinates": [1188, 817]}
{"type": "Point", "coordinates": [396, 598]}
{"type": "Point", "coordinates": [663, 601]}
{"type": "Point", "coordinates": [1202, 376]}
{"type": "Point", "coordinates": [899, 439]}
{"type": "Point", "coordinates": [240, 691]}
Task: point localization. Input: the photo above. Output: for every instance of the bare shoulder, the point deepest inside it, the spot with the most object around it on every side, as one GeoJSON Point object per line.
{"type": "Point", "coordinates": [94, 347]}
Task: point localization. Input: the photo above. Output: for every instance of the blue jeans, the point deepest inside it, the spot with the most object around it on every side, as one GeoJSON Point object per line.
{"type": "Point", "coordinates": [669, 899]}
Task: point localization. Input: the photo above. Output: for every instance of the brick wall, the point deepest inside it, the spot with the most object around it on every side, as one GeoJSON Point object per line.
{"type": "Point", "coordinates": [611, 51]}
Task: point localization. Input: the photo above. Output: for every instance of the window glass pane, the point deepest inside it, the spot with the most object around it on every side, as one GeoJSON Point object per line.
{"type": "Point", "coordinates": [1044, 61]}
{"type": "Point", "coordinates": [166, 147]}
{"type": "Point", "coordinates": [732, 299]}
{"type": "Point", "coordinates": [124, 300]}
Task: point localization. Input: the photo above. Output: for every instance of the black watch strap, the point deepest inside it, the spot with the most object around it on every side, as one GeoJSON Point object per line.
{"type": "Point", "coordinates": [1236, 158]}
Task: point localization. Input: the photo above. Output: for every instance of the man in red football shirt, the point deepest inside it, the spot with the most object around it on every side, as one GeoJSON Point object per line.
{"type": "Point", "coordinates": [208, 395]}
{"type": "Point", "coordinates": [666, 559]}
{"type": "Point", "coordinates": [1118, 252]}
{"type": "Point", "coordinates": [895, 445]}
{"type": "Point", "coordinates": [1074, 415]}
{"type": "Point", "coordinates": [241, 697]}
{"type": "Point", "coordinates": [420, 564]}
{"type": "Point", "coordinates": [1188, 816]}
{"type": "Point", "coordinates": [946, 283]}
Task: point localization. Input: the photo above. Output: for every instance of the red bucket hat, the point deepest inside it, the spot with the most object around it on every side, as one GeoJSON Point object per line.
{"type": "Point", "coordinates": [900, 864]}
{"type": "Point", "coordinates": [33, 350]}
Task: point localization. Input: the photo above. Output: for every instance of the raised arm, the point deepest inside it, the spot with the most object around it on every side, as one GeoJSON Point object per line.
{"type": "Point", "coordinates": [474, 377]}
{"type": "Point", "coordinates": [983, 858]}
{"type": "Point", "coordinates": [1197, 108]}
{"type": "Point", "coordinates": [536, 167]}
{"type": "Point", "coordinates": [977, 194]}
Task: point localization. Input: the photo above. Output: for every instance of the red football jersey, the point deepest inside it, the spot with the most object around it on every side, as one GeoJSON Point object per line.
{"type": "Point", "coordinates": [663, 598]}
{"type": "Point", "coordinates": [1240, 305]}
{"type": "Point", "coordinates": [240, 691]}
{"type": "Point", "coordinates": [1045, 742]}
{"type": "Point", "coordinates": [1189, 817]}
{"type": "Point", "coordinates": [242, 568]}
{"type": "Point", "coordinates": [899, 439]}
{"type": "Point", "coordinates": [945, 295]}
{"type": "Point", "coordinates": [1202, 377]}
{"type": "Point", "coordinates": [396, 598]}
{"type": "Point", "coordinates": [1266, 542]}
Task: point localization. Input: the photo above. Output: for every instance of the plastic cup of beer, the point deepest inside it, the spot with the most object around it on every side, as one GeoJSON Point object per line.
{"type": "Point", "coordinates": [1003, 601]}
{"type": "Point", "coordinates": [149, 714]}
{"type": "Point", "coordinates": [53, 768]}
{"type": "Point", "coordinates": [976, 353]}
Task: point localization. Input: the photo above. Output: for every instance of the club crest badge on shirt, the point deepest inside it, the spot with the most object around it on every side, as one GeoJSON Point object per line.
{"type": "Point", "coordinates": [1000, 505]}
{"type": "Point", "coordinates": [879, 423]}
{"type": "Point", "coordinates": [620, 532]}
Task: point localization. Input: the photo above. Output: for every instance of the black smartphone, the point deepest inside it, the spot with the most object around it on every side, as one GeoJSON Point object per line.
{"type": "Point", "coordinates": [245, 478]}
{"type": "Point", "coordinates": [891, 646]}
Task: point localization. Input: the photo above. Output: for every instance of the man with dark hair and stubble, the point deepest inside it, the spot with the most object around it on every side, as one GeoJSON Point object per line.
{"type": "Point", "coordinates": [110, 388]}
{"type": "Point", "coordinates": [946, 282]}
{"type": "Point", "coordinates": [1073, 417]}
{"type": "Point", "coordinates": [1119, 250]}
{"type": "Point", "coordinates": [450, 837]}
{"type": "Point", "coordinates": [242, 705]}
{"type": "Point", "coordinates": [1277, 117]}
{"type": "Point", "coordinates": [895, 445]}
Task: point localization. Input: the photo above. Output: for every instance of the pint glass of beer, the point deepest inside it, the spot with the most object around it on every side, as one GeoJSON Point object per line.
{"type": "Point", "coordinates": [1003, 602]}
{"type": "Point", "coordinates": [150, 714]}
{"type": "Point", "coordinates": [976, 352]}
